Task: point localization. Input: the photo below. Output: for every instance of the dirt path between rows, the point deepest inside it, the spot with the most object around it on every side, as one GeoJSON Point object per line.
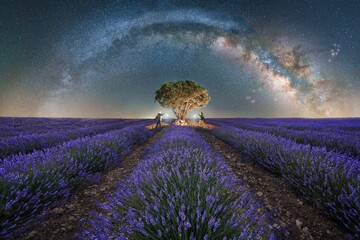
{"type": "Point", "coordinates": [64, 222]}
{"type": "Point", "coordinates": [302, 219]}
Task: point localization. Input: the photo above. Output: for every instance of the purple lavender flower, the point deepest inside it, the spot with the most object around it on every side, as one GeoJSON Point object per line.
{"type": "Point", "coordinates": [198, 183]}
{"type": "Point", "coordinates": [330, 179]}
{"type": "Point", "coordinates": [34, 181]}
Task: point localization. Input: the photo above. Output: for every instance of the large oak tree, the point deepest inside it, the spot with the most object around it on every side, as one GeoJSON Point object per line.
{"type": "Point", "coordinates": [182, 96]}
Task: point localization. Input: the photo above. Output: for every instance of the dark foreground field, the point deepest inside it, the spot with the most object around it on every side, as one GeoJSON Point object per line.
{"type": "Point", "coordinates": [230, 179]}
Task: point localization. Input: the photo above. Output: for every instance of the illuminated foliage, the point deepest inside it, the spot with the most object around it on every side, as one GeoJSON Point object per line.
{"type": "Point", "coordinates": [182, 96]}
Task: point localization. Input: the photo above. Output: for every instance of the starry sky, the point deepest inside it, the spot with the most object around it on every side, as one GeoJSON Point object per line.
{"type": "Point", "coordinates": [257, 58]}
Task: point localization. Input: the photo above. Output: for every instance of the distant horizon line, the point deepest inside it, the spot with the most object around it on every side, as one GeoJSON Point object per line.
{"type": "Point", "coordinates": [353, 117]}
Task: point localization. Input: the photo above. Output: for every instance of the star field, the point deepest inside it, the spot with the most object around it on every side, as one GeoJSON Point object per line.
{"type": "Point", "coordinates": [107, 58]}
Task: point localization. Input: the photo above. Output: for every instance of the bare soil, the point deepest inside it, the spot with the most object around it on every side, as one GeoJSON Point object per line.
{"type": "Point", "coordinates": [301, 219]}
{"type": "Point", "coordinates": [63, 222]}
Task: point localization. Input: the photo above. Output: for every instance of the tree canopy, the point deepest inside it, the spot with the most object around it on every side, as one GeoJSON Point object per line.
{"type": "Point", "coordinates": [182, 96]}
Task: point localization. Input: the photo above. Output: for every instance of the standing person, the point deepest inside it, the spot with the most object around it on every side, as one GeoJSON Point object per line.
{"type": "Point", "coordinates": [158, 119]}
{"type": "Point", "coordinates": [202, 119]}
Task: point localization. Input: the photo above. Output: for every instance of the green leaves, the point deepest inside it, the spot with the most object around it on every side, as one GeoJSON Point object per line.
{"type": "Point", "coordinates": [182, 96]}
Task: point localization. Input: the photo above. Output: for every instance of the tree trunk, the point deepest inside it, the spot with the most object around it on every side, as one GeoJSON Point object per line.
{"type": "Point", "coordinates": [180, 114]}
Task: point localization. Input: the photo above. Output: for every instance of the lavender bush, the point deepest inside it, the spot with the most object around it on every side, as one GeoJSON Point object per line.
{"type": "Point", "coordinates": [12, 127]}
{"type": "Point", "coordinates": [329, 179]}
{"type": "Point", "coordinates": [349, 125]}
{"type": "Point", "coordinates": [182, 190]}
{"type": "Point", "coordinates": [30, 183]}
{"type": "Point", "coordinates": [316, 133]}
{"type": "Point", "coordinates": [31, 142]}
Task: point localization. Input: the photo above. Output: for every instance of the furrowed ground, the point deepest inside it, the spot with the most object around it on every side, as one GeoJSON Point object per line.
{"type": "Point", "coordinates": [64, 222]}
{"type": "Point", "coordinates": [169, 186]}
{"type": "Point", "coordinates": [302, 219]}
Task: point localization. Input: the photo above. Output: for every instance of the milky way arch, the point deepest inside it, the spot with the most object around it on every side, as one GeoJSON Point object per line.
{"type": "Point", "coordinates": [287, 75]}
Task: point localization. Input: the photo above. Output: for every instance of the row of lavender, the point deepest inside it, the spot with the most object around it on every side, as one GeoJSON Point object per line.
{"type": "Point", "coordinates": [332, 137]}
{"type": "Point", "coordinates": [30, 183]}
{"type": "Point", "coordinates": [343, 126]}
{"type": "Point", "coordinates": [350, 125]}
{"type": "Point", "coordinates": [181, 190]}
{"type": "Point", "coordinates": [328, 179]}
{"type": "Point", "coordinates": [12, 127]}
{"type": "Point", "coordinates": [37, 141]}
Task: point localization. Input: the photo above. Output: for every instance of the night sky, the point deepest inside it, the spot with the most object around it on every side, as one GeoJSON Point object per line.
{"type": "Point", "coordinates": [257, 58]}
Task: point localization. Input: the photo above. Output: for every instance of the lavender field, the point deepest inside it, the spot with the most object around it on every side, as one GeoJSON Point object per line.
{"type": "Point", "coordinates": [177, 182]}
{"type": "Point", "coordinates": [319, 158]}
{"type": "Point", "coordinates": [41, 167]}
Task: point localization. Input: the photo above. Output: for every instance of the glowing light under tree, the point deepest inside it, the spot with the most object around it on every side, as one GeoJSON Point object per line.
{"type": "Point", "coordinates": [182, 96]}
